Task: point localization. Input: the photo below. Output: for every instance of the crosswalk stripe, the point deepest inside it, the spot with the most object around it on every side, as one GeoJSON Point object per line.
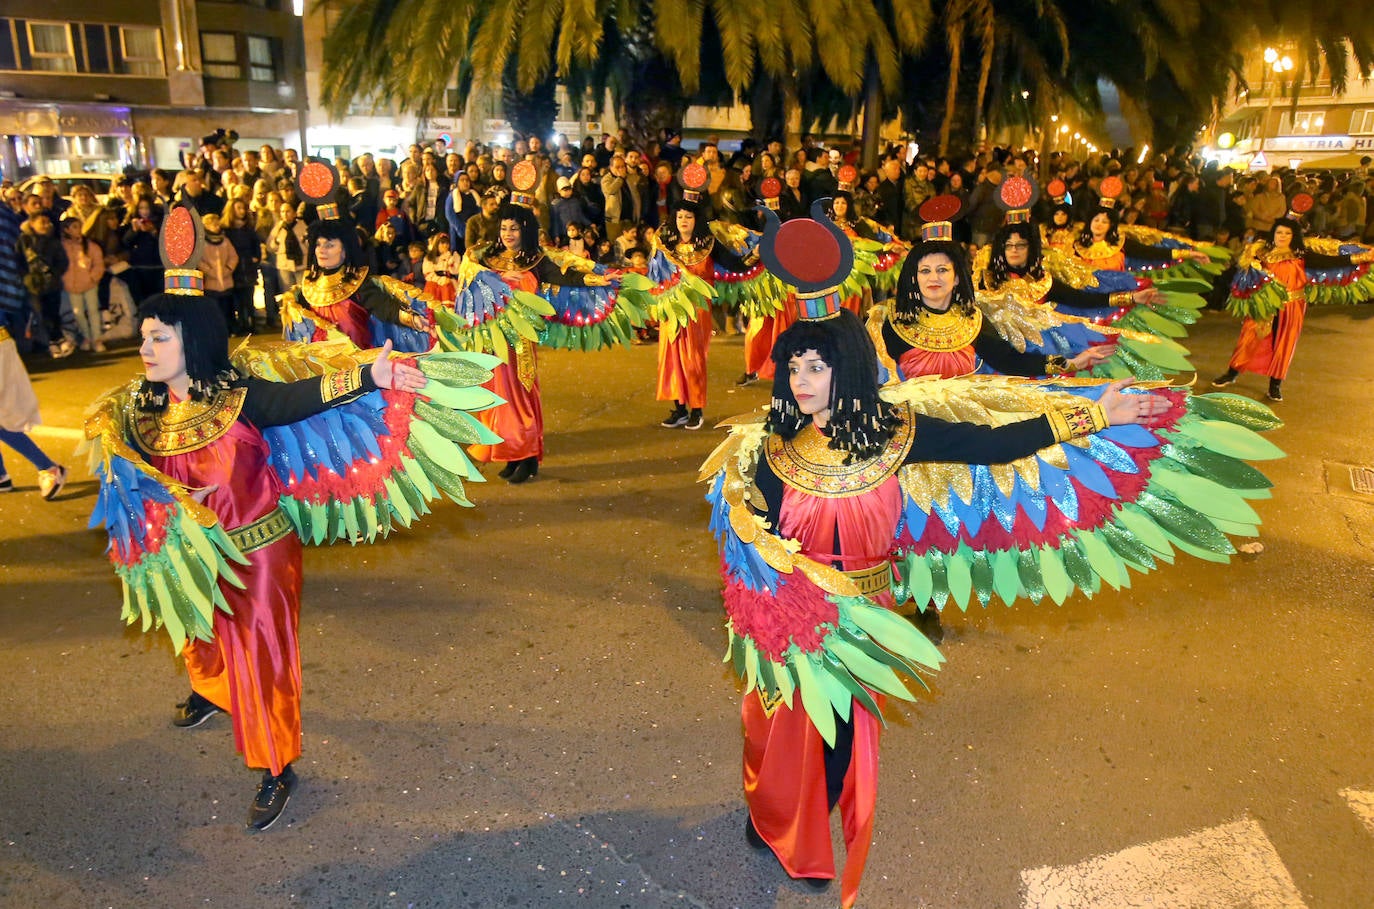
{"type": "Point", "coordinates": [1362, 803]}
{"type": "Point", "coordinates": [1226, 867]}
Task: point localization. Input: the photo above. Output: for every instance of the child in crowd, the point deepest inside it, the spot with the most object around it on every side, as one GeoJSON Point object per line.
{"type": "Point", "coordinates": [81, 282]}
{"type": "Point", "coordinates": [438, 261]}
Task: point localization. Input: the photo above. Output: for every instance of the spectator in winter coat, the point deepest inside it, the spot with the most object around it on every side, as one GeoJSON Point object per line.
{"type": "Point", "coordinates": [81, 281]}
{"type": "Point", "coordinates": [218, 264]}
{"type": "Point", "coordinates": [484, 227]}
{"type": "Point", "coordinates": [45, 262]}
{"type": "Point", "coordinates": [566, 209]}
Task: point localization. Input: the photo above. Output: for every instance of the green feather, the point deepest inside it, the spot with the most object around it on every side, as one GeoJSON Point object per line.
{"type": "Point", "coordinates": [1230, 439]}
{"type": "Point", "coordinates": [958, 575]}
{"type": "Point", "coordinates": [814, 698]}
{"type": "Point", "coordinates": [1006, 579]}
{"type": "Point", "coordinates": [1052, 572]}
{"type": "Point", "coordinates": [1202, 495]}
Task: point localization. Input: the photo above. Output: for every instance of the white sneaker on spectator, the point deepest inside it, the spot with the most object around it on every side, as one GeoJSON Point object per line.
{"type": "Point", "coordinates": [51, 481]}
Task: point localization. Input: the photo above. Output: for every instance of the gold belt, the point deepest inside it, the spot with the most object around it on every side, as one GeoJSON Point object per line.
{"type": "Point", "coordinates": [871, 581]}
{"type": "Point", "coordinates": [265, 531]}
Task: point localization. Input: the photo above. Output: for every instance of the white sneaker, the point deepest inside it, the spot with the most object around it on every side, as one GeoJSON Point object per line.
{"type": "Point", "coordinates": [6, 484]}
{"type": "Point", "coordinates": [51, 481]}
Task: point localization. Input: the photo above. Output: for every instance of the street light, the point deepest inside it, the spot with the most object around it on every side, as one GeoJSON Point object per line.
{"type": "Point", "coordinates": [1280, 63]}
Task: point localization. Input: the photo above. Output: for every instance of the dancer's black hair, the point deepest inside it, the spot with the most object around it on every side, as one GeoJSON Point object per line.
{"type": "Point", "coordinates": [342, 229]}
{"type": "Point", "coordinates": [1295, 226]}
{"type": "Point", "coordinates": [998, 269]}
{"type": "Point", "coordinates": [204, 342]}
{"type": "Point", "coordinates": [860, 422]}
{"type": "Point", "coordinates": [1085, 236]}
{"type": "Point", "coordinates": [909, 289]}
{"type": "Point", "coordinates": [701, 231]}
{"type": "Point", "coordinates": [529, 234]}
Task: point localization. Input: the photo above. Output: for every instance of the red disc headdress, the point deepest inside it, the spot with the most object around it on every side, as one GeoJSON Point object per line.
{"type": "Point", "coordinates": [848, 177]}
{"type": "Point", "coordinates": [1015, 196]}
{"type": "Point", "coordinates": [181, 243]}
{"type": "Point", "coordinates": [693, 179]}
{"type": "Point", "coordinates": [770, 188]}
{"type": "Point", "coordinates": [1109, 190]}
{"type": "Point", "coordinates": [811, 254]}
{"type": "Point", "coordinates": [524, 176]}
{"type": "Point", "coordinates": [1299, 205]}
{"type": "Point", "coordinates": [316, 184]}
{"type": "Point", "coordinates": [1058, 191]}
{"type": "Point", "coordinates": [938, 216]}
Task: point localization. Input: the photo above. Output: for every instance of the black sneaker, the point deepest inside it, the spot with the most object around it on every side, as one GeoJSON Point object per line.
{"type": "Point", "coordinates": [6, 484]}
{"type": "Point", "coordinates": [749, 378]}
{"type": "Point", "coordinates": [507, 470]}
{"type": "Point", "coordinates": [1275, 392]}
{"type": "Point", "coordinates": [1226, 378]}
{"type": "Point", "coordinates": [928, 623]}
{"type": "Point", "coordinates": [751, 835]}
{"type": "Point", "coordinates": [524, 469]}
{"type": "Point", "coordinates": [677, 418]}
{"type": "Point", "coordinates": [193, 711]}
{"type": "Point", "coordinates": [694, 420]}
{"type": "Point", "coordinates": [273, 794]}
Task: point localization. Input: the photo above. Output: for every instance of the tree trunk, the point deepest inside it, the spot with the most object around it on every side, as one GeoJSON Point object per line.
{"type": "Point", "coordinates": [529, 113]}
{"type": "Point", "coordinates": [791, 116]}
{"type": "Point", "coordinates": [873, 116]}
{"type": "Point", "coordinates": [956, 47]}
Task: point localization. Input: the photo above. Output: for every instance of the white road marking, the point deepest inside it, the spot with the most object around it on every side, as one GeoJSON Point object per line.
{"type": "Point", "coordinates": [1362, 803]}
{"type": "Point", "coordinates": [1226, 867]}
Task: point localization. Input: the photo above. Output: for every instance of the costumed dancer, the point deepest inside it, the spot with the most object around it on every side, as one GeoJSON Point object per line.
{"type": "Point", "coordinates": [878, 255]}
{"type": "Point", "coordinates": [19, 414]}
{"type": "Point", "coordinates": [1059, 230]}
{"type": "Point", "coordinates": [1169, 261]}
{"type": "Point", "coordinates": [212, 473]}
{"type": "Point", "coordinates": [1017, 265]}
{"type": "Point", "coordinates": [1271, 289]}
{"type": "Point", "coordinates": [337, 296]}
{"type": "Point", "coordinates": [765, 323]}
{"type": "Point", "coordinates": [935, 326]}
{"type": "Point", "coordinates": [813, 501]}
{"type": "Point", "coordinates": [503, 305]}
{"type": "Point", "coordinates": [691, 267]}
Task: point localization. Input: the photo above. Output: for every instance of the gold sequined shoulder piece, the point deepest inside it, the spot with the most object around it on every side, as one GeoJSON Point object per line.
{"type": "Point", "coordinates": [808, 463]}
{"type": "Point", "coordinates": [326, 290]}
{"type": "Point", "coordinates": [952, 329]}
{"type": "Point", "coordinates": [188, 425]}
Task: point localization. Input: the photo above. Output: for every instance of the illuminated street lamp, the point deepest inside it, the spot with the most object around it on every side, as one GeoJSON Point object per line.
{"type": "Point", "coordinates": [1280, 63]}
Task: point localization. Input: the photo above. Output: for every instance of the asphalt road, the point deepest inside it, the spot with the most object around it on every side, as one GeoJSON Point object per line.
{"type": "Point", "coordinates": [523, 704]}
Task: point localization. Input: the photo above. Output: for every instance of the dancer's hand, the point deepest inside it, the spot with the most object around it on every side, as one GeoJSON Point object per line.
{"type": "Point", "coordinates": [399, 376]}
{"type": "Point", "coordinates": [1091, 357]}
{"type": "Point", "coordinates": [1130, 408]}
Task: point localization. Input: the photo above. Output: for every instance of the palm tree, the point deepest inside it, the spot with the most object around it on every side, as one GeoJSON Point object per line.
{"type": "Point", "coordinates": [395, 48]}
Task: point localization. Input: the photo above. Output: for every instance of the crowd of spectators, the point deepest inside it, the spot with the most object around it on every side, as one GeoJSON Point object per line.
{"type": "Point", "coordinates": [84, 266]}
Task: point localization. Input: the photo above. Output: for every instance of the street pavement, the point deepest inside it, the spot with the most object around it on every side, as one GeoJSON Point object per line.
{"type": "Point", "coordinates": [524, 704]}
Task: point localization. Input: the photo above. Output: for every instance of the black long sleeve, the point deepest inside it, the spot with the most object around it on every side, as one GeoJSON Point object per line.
{"type": "Point", "coordinates": [1321, 260]}
{"type": "Point", "coordinates": [1134, 249]}
{"type": "Point", "coordinates": [998, 353]}
{"type": "Point", "coordinates": [1068, 295]}
{"type": "Point", "coordinates": [941, 440]}
{"type": "Point", "coordinates": [727, 258]}
{"type": "Point", "coordinates": [277, 403]}
{"type": "Point", "coordinates": [549, 273]}
{"type": "Point", "coordinates": [378, 302]}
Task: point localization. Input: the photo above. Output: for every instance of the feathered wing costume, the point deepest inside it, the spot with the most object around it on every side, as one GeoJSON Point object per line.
{"type": "Point", "coordinates": [819, 543]}
{"type": "Point", "coordinates": [347, 301]}
{"type": "Point", "coordinates": [286, 446]}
